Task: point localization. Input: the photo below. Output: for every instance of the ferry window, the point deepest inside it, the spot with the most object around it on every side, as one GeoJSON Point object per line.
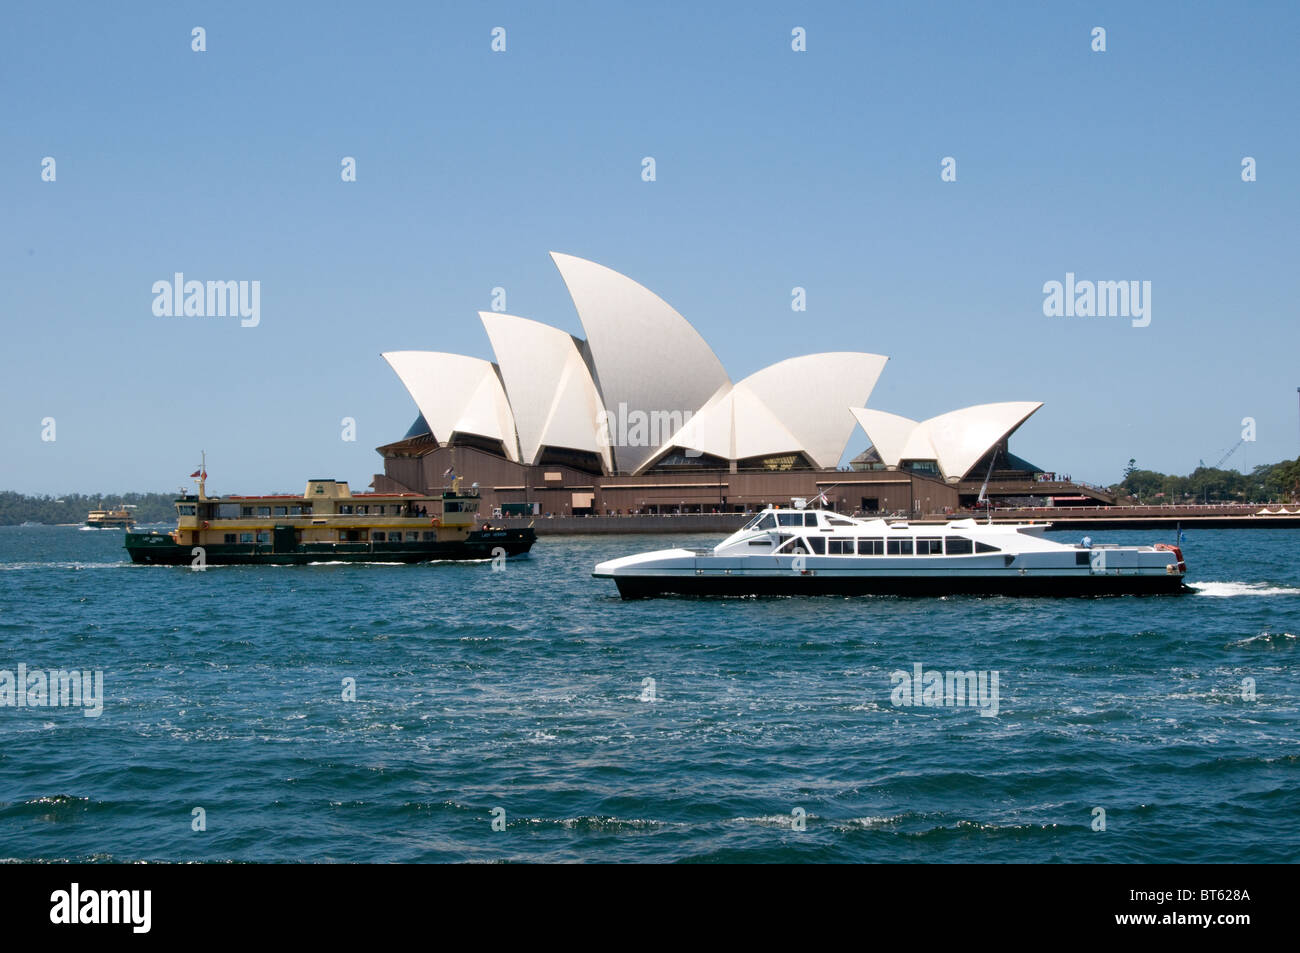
{"type": "Point", "coordinates": [346, 509]}
{"type": "Point", "coordinates": [263, 537]}
{"type": "Point", "coordinates": [985, 548]}
{"type": "Point", "coordinates": [818, 544]}
{"type": "Point", "coordinates": [245, 537]}
{"type": "Point", "coordinates": [840, 546]}
{"type": "Point", "coordinates": [929, 546]}
{"type": "Point", "coordinates": [380, 511]}
{"type": "Point", "coordinates": [834, 522]}
{"type": "Point", "coordinates": [295, 511]}
{"type": "Point", "coordinates": [793, 545]}
{"type": "Point", "coordinates": [263, 511]}
{"type": "Point", "coordinates": [959, 545]}
{"type": "Point", "coordinates": [752, 524]}
{"type": "Point", "coordinates": [246, 511]}
{"type": "Point", "coordinates": [230, 537]}
{"type": "Point", "coordinates": [412, 537]}
{"type": "Point", "coordinates": [871, 547]}
{"type": "Point", "coordinates": [900, 547]}
{"type": "Point", "coordinates": [790, 519]}
{"type": "Point", "coordinates": [810, 519]}
{"type": "Point", "coordinates": [377, 536]}
{"type": "Point", "coordinates": [1082, 559]}
{"type": "Point", "coordinates": [767, 522]}
{"type": "Point", "coordinates": [430, 537]}
{"type": "Point", "coordinates": [451, 507]}
{"type": "Point", "coordinates": [363, 510]}
{"type": "Point", "coordinates": [186, 510]}
{"type": "Point", "coordinates": [282, 511]}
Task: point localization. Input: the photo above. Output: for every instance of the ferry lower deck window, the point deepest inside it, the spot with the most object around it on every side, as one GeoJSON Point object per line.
{"type": "Point", "coordinates": [818, 544]}
{"type": "Point", "coordinates": [245, 537]}
{"type": "Point", "coordinates": [263, 537]}
{"type": "Point", "coordinates": [412, 537]}
{"type": "Point", "coordinates": [430, 537]}
{"type": "Point", "coordinates": [959, 545]}
{"type": "Point", "coordinates": [929, 546]}
{"type": "Point", "coordinates": [871, 547]}
{"type": "Point", "coordinates": [839, 546]}
{"type": "Point", "coordinates": [900, 547]}
{"type": "Point", "coordinates": [985, 548]}
{"type": "Point", "coordinates": [378, 536]}
{"type": "Point", "coordinates": [230, 538]}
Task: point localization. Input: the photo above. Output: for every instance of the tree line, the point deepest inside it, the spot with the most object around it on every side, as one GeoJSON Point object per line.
{"type": "Point", "coordinates": [1267, 483]}
{"type": "Point", "coordinates": [18, 508]}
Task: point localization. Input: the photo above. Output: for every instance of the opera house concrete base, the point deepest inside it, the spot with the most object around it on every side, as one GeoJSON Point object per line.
{"type": "Point", "coordinates": [419, 465]}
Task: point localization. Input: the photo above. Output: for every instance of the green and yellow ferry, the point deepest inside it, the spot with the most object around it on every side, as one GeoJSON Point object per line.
{"type": "Point", "coordinates": [328, 523]}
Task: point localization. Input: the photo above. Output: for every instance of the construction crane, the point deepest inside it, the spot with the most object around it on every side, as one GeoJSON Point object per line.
{"type": "Point", "coordinates": [1223, 459]}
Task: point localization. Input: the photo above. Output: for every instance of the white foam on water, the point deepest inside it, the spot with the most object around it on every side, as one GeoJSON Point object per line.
{"type": "Point", "coordinates": [1225, 589]}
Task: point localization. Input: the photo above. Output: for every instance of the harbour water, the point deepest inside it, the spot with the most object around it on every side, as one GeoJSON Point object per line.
{"type": "Point", "coordinates": [588, 728]}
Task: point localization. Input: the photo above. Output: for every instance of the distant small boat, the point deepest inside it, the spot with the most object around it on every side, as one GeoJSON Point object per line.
{"type": "Point", "coordinates": [30, 523]}
{"type": "Point", "coordinates": [119, 518]}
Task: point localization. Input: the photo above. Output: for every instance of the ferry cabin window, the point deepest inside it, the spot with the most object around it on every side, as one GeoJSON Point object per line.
{"type": "Point", "coordinates": [186, 510]}
{"type": "Point", "coordinates": [363, 510]}
{"type": "Point", "coordinates": [834, 522]}
{"type": "Point", "coordinates": [839, 546]}
{"type": "Point", "coordinates": [810, 519]}
{"type": "Point", "coordinates": [299, 510]}
{"type": "Point", "coordinates": [263, 511]}
{"type": "Point", "coordinates": [959, 545]}
{"type": "Point", "coordinates": [346, 509]}
{"type": "Point", "coordinates": [231, 537]}
{"type": "Point", "coordinates": [380, 511]}
{"type": "Point", "coordinates": [929, 546]}
{"type": "Point", "coordinates": [246, 511]}
{"type": "Point", "coordinates": [378, 536]}
{"type": "Point", "coordinates": [263, 537]}
{"type": "Point", "coordinates": [430, 537]}
{"type": "Point", "coordinates": [985, 548]}
{"type": "Point", "coordinates": [790, 519]}
{"type": "Point", "coordinates": [900, 547]}
{"type": "Point", "coordinates": [818, 544]}
{"type": "Point", "coordinates": [871, 547]}
{"type": "Point", "coordinates": [767, 522]}
{"type": "Point", "coordinates": [282, 511]}
{"type": "Point", "coordinates": [792, 546]}
{"type": "Point", "coordinates": [245, 537]}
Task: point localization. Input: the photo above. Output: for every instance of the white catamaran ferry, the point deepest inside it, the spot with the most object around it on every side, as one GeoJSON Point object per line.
{"type": "Point", "coordinates": [816, 552]}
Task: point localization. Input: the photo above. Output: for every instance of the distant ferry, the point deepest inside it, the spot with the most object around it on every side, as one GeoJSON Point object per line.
{"type": "Point", "coordinates": [119, 518]}
{"type": "Point", "coordinates": [328, 523]}
{"type": "Point", "coordinates": [816, 552]}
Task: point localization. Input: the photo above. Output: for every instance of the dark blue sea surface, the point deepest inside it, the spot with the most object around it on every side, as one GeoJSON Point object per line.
{"type": "Point", "coordinates": [526, 691]}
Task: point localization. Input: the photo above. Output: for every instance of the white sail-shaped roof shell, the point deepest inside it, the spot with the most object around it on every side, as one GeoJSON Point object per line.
{"type": "Point", "coordinates": [955, 440]}
{"type": "Point", "coordinates": [646, 356]}
{"type": "Point", "coordinates": [888, 433]}
{"type": "Point", "coordinates": [457, 394]}
{"type": "Point", "coordinates": [551, 392]}
{"type": "Point", "coordinates": [811, 395]}
{"type": "Point", "coordinates": [800, 405]}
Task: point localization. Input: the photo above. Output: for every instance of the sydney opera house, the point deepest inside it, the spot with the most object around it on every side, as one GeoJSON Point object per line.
{"type": "Point", "coordinates": [641, 417]}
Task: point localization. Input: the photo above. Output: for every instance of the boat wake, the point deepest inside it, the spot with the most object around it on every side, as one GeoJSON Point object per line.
{"type": "Point", "coordinates": [1224, 589]}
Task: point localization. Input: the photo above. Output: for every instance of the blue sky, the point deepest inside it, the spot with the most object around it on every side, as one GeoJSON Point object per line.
{"type": "Point", "coordinates": [775, 169]}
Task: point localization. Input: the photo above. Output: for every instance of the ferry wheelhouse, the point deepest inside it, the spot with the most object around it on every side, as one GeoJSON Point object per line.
{"type": "Point", "coordinates": [817, 552]}
{"type": "Point", "coordinates": [328, 523]}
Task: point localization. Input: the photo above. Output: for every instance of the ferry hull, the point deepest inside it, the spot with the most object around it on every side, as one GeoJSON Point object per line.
{"type": "Point", "coordinates": [157, 550]}
{"type": "Point", "coordinates": [785, 584]}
